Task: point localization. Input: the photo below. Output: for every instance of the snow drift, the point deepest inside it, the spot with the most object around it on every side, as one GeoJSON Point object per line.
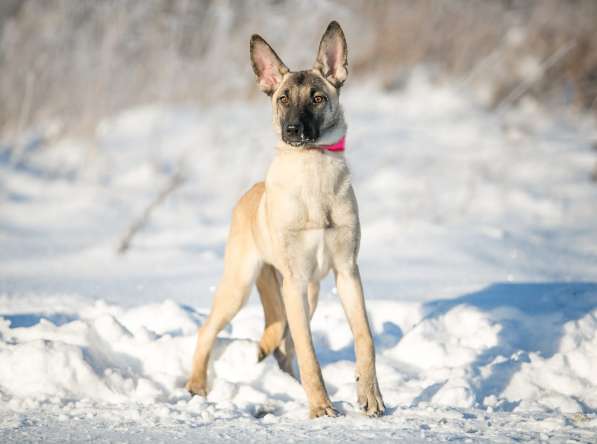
{"type": "Point", "coordinates": [508, 347]}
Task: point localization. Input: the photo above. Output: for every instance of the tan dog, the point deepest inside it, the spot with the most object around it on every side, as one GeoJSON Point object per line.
{"type": "Point", "coordinates": [290, 231]}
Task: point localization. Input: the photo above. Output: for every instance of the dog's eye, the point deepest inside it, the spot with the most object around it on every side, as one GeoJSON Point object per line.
{"type": "Point", "coordinates": [283, 100]}
{"type": "Point", "coordinates": [319, 99]}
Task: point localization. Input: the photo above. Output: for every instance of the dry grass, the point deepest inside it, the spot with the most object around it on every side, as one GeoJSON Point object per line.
{"type": "Point", "coordinates": [80, 60]}
{"type": "Point", "coordinates": [550, 46]}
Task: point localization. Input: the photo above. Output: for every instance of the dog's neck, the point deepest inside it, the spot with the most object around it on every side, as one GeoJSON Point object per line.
{"type": "Point", "coordinates": [334, 147]}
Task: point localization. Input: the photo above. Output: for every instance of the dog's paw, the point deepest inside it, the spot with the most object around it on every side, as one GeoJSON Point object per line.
{"type": "Point", "coordinates": [370, 400]}
{"type": "Point", "coordinates": [325, 410]}
{"type": "Point", "coordinates": [196, 388]}
{"type": "Point", "coordinates": [261, 354]}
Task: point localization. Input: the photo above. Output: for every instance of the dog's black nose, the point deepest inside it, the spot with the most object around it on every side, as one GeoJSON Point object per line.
{"type": "Point", "coordinates": [293, 130]}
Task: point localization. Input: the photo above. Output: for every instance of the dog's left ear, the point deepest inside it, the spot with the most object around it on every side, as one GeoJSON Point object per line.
{"type": "Point", "coordinates": [332, 59]}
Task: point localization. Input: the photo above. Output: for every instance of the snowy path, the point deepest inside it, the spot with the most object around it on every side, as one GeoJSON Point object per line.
{"type": "Point", "coordinates": [479, 259]}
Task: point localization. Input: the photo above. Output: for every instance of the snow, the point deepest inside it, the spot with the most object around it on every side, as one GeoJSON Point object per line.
{"type": "Point", "coordinates": [478, 257]}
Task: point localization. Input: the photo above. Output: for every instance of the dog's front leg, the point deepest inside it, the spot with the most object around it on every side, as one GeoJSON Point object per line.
{"type": "Point", "coordinates": [348, 283]}
{"type": "Point", "coordinates": [294, 293]}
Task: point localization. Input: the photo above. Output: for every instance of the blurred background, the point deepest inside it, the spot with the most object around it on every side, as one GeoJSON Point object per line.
{"type": "Point", "coordinates": [129, 129]}
{"type": "Point", "coordinates": [73, 62]}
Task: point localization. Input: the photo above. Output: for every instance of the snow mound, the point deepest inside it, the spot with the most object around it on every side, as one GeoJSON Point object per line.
{"type": "Point", "coordinates": [509, 347]}
{"type": "Point", "coordinates": [108, 354]}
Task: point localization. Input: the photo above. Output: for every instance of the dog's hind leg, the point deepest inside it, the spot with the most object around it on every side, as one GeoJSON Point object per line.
{"type": "Point", "coordinates": [273, 310]}
{"type": "Point", "coordinates": [241, 266]}
{"type": "Point", "coordinates": [276, 337]}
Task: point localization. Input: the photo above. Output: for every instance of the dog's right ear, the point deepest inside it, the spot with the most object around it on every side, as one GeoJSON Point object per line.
{"type": "Point", "coordinates": [267, 66]}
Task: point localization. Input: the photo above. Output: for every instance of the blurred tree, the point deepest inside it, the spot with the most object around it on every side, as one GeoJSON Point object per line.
{"type": "Point", "coordinates": [80, 60]}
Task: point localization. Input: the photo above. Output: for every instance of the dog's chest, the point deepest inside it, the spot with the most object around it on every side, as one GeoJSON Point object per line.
{"type": "Point", "coordinates": [308, 189]}
{"type": "Point", "coordinates": [308, 199]}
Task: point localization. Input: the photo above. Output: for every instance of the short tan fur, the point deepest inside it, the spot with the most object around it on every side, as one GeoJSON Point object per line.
{"type": "Point", "coordinates": [288, 232]}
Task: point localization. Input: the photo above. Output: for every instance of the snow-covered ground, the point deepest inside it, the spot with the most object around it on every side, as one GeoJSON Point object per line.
{"type": "Point", "coordinates": [479, 259]}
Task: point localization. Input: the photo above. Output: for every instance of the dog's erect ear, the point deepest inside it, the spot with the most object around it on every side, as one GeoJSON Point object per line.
{"type": "Point", "coordinates": [332, 56]}
{"type": "Point", "coordinates": [267, 66]}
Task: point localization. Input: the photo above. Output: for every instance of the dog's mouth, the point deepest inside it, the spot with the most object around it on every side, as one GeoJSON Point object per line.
{"type": "Point", "coordinates": [300, 143]}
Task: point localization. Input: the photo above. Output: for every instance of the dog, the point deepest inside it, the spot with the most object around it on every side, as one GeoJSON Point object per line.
{"type": "Point", "coordinates": [288, 232]}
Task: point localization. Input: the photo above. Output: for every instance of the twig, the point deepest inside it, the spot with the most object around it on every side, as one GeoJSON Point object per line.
{"type": "Point", "coordinates": [523, 87]}
{"type": "Point", "coordinates": [19, 148]}
{"type": "Point", "coordinates": [175, 181]}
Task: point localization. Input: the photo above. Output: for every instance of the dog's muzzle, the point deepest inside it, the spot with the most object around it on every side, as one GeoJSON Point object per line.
{"type": "Point", "coordinates": [294, 134]}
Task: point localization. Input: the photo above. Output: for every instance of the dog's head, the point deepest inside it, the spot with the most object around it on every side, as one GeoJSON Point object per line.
{"type": "Point", "coordinates": [306, 108]}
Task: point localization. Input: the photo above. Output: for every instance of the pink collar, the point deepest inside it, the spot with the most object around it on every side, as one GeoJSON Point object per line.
{"type": "Point", "coordinates": [336, 147]}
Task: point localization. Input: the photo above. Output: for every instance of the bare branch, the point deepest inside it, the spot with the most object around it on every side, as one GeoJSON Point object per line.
{"type": "Point", "coordinates": [175, 181]}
